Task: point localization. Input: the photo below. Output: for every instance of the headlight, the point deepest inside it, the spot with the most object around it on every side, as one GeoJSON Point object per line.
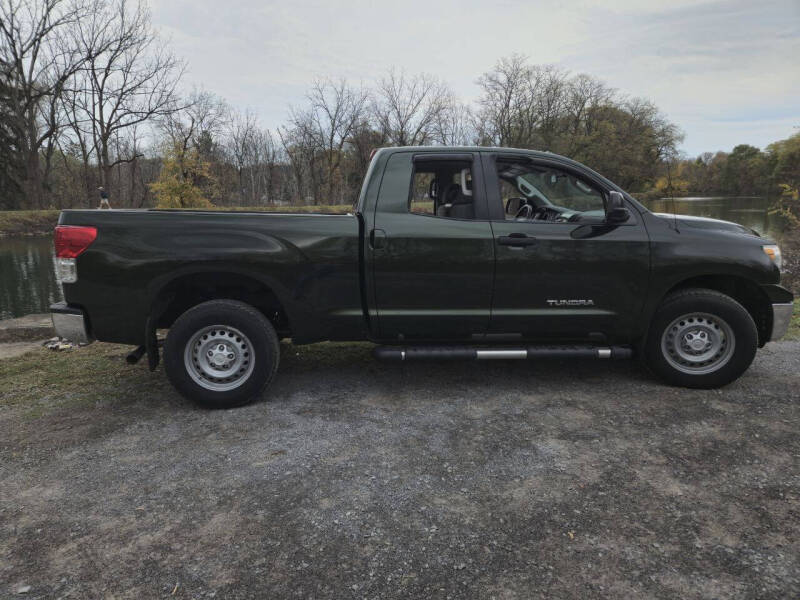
{"type": "Point", "coordinates": [774, 252]}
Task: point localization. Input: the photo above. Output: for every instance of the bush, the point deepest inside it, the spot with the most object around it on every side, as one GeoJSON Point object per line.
{"type": "Point", "coordinates": [788, 206]}
{"type": "Point", "coordinates": [178, 185]}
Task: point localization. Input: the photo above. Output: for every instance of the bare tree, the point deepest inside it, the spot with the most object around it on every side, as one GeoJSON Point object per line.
{"type": "Point", "coordinates": [407, 108]}
{"type": "Point", "coordinates": [298, 150]}
{"type": "Point", "coordinates": [243, 149]}
{"type": "Point", "coordinates": [453, 124]}
{"type": "Point", "coordinates": [504, 111]}
{"type": "Point", "coordinates": [12, 169]}
{"type": "Point", "coordinates": [549, 89]}
{"type": "Point", "coordinates": [522, 105]}
{"type": "Point", "coordinates": [319, 133]}
{"type": "Point", "coordinates": [40, 60]}
{"type": "Point", "coordinates": [129, 78]}
{"type": "Point", "coordinates": [363, 140]}
{"type": "Point", "coordinates": [202, 115]}
{"type": "Point", "coordinates": [255, 155]}
{"type": "Point", "coordinates": [265, 166]}
{"type": "Point", "coordinates": [585, 95]}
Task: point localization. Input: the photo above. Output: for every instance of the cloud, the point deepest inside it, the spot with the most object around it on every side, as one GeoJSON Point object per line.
{"type": "Point", "coordinates": [718, 69]}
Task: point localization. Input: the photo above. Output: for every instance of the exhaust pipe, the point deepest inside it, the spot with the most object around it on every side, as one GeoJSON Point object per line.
{"type": "Point", "coordinates": [134, 356]}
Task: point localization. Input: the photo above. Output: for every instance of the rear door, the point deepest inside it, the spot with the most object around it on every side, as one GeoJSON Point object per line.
{"type": "Point", "coordinates": [561, 271]}
{"type": "Point", "coordinates": [432, 248]}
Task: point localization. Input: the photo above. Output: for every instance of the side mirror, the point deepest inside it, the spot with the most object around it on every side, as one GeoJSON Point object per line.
{"type": "Point", "coordinates": [616, 211]}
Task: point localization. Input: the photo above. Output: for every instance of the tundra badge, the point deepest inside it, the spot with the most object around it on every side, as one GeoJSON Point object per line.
{"type": "Point", "coordinates": [571, 302]}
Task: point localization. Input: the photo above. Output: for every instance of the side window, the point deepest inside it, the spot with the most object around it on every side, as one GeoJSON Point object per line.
{"type": "Point", "coordinates": [442, 189]}
{"type": "Point", "coordinates": [544, 193]}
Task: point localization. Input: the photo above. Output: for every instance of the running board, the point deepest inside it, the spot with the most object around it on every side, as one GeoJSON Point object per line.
{"type": "Point", "coordinates": [482, 353]}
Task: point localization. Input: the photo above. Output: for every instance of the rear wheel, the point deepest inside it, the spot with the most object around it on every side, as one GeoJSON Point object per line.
{"type": "Point", "coordinates": [221, 353]}
{"type": "Point", "coordinates": [701, 339]}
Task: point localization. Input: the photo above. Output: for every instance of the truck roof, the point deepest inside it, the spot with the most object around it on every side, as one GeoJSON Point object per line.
{"type": "Point", "coordinates": [542, 153]}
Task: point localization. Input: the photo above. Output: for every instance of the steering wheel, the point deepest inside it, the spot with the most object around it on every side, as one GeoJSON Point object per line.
{"type": "Point", "coordinates": [540, 214]}
{"type": "Point", "coordinates": [524, 213]}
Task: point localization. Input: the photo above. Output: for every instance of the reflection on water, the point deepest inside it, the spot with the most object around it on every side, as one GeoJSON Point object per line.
{"type": "Point", "coordinates": [27, 276]}
{"type": "Point", "coordinates": [28, 283]}
{"type": "Point", "coordinates": [751, 212]}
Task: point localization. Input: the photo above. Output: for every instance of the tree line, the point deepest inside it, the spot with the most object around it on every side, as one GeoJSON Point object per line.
{"type": "Point", "coordinates": [91, 98]}
{"type": "Point", "coordinates": [745, 171]}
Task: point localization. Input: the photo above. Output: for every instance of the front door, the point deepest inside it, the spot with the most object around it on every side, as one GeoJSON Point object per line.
{"type": "Point", "coordinates": [432, 248]}
{"type": "Point", "coordinates": [561, 270]}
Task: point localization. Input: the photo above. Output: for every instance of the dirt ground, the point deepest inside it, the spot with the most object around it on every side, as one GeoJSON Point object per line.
{"type": "Point", "coordinates": [357, 479]}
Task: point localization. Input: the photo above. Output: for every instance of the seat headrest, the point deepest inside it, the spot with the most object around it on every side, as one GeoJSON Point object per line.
{"type": "Point", "coordinates": [455, 196]}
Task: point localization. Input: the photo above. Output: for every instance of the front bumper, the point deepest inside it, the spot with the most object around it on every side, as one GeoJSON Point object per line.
{"type": "Point", "coordinates": [781, 318]}
{"type": "Point", "coordinates": [70, 323]}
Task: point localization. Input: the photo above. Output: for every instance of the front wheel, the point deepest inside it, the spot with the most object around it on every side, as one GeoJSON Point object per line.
{"type": "Point", "coordinates": [701, 339]}
{"type": "Point", "coordinates": [221, 353]}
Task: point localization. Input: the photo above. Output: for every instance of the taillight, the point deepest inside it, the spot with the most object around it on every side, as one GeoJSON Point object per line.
{"type": "Point", "coordinates": [71, 240]}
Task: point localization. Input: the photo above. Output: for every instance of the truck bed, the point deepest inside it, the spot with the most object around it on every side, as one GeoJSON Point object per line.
{"type": "Point", "coordinates": [310, 262]}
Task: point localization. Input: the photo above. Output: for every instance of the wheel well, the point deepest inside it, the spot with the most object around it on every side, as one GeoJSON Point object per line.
{"type": "Point", "coordinates": [744, 291]}
{"type": "Point", "coordinates": [187, 291]}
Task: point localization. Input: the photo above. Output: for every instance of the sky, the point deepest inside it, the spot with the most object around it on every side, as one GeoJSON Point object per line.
{"type": "Point", "coordinates": [725, 72]}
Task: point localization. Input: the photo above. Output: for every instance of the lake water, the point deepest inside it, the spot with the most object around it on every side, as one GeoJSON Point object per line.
{"type": "Point", "coordinates": [28, 281]}
{"type": "Point", "coordinates": [27, 276]}
{"type": "Point", "coordinates": [750, 212]}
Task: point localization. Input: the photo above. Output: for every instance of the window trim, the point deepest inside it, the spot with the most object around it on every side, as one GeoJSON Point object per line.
{"type": "Point", "coordinates": [443, 157]}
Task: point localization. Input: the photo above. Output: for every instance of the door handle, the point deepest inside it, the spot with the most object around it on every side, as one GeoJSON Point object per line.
{"type": "Point", "coordinates": [377, 239]}
{"type": "Point", "coordinates": [516, 240]}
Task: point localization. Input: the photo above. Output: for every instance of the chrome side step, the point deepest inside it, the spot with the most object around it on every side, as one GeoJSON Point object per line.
{"type": "Point", "coordinates": [402, 353]}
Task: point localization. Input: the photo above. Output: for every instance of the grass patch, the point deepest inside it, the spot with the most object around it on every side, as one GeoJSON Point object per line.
{"type": "Point", "coordinates": [44, 380]}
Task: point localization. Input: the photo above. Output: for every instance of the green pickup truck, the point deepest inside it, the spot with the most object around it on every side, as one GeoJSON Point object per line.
{"type": "Point", "coordinates": [449, 253]}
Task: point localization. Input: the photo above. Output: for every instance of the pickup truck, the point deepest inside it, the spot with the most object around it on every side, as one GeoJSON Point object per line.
{"type": "Point", "coordinates": [461, 253]}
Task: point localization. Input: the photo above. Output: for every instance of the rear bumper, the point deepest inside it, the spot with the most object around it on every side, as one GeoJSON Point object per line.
{"type": "Point", "coordinates": [70, 323]}
{"type": "Point", "coordinates": [781, 317]}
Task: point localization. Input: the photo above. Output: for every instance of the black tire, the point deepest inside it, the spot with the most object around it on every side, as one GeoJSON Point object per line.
{"type": "Point", "coordinates": [256, 351]}
{"type": "Point", "coordinates": [712, 314]}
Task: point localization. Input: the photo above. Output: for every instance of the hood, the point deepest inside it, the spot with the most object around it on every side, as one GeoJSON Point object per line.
{"type": "Point", "coordinates": [707, 223]}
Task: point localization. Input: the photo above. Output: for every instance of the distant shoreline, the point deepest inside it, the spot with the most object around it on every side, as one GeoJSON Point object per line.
{"type": "Point", "coordinates": [27, 223]}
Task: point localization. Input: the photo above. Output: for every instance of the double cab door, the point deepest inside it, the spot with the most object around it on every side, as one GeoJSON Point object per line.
{"type": "Point", "coordinates": [432, 273]}
{"type": "Point", "coordinates": [493, 246]}
{"type": "Point", "coordinates": [560, 270]}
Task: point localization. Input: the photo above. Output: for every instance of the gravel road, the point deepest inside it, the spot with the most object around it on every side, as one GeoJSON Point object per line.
{"type": "Point", "coordinates": [357, 479]}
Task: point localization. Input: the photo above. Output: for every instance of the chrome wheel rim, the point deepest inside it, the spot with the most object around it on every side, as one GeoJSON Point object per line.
{"type": "Point", "coordinates": [219, 358]}
{"type": "Point", "coordinates": [698, 343]}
